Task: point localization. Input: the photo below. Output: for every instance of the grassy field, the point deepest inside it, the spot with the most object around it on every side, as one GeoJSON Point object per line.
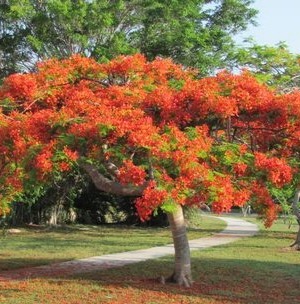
{"type": "Point", "coordinates": [41, 245]}
{"type": "Point", "coordinates": [259, 270]}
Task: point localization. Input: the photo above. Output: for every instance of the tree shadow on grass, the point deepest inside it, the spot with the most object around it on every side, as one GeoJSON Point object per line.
{"type": "Point", "coordinates": [229, 280]}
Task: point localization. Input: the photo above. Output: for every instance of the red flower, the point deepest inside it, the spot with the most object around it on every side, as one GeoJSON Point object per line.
{"type": "Point", "coordinates": [131, 174]}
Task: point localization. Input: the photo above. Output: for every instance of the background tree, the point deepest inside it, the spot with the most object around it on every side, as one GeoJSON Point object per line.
{"type": "Point", "coordinates": [13, 45]}
{"type": "Point", "coordinates": [149, 130]}
{"type": "Point", "coordinates": [194, 32]}
{"type": "Point", "coordinates": [274, 65]}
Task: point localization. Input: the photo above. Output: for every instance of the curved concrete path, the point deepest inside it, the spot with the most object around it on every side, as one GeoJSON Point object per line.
{"type": "Point", "coordinates": [236, 229]}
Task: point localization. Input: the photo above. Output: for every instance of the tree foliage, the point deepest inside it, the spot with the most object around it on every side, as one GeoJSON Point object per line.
{"type": "Point", "coordinates": [193, 32]}
{"type": "Point", "coordinates": [273, 65]}
{"type": "Point", "coordinates": [148, 129]}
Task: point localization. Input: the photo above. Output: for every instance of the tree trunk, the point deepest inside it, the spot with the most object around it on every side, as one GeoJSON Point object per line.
{"type": "Point", "coordinates": [53, 220]}
{"type": "Point", "coordinates": [182, 271]}
{"type": "Point", "coordinates": [296, 211]}
{"type": "Point", "coordinates": [296, 244]}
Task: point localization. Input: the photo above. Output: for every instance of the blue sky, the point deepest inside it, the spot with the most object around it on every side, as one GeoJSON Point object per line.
{"type": "Point", "coordinates": [278, 20]}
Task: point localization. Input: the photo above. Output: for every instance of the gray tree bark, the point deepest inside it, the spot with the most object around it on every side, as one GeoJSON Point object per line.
{"type": "Point", "coordinates": [182, 271]}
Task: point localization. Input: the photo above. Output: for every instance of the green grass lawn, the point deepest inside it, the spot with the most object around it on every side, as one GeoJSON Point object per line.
{"type": "Point", "coordinates": [37, 246]}
{"type": "Point", "coordinates": [257, 270]}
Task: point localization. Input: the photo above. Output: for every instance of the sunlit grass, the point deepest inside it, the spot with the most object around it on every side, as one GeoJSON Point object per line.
{"type": "Point", "coordinates": [37, 246]}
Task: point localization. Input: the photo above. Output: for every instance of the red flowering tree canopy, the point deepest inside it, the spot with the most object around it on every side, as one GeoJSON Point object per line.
{"type": "Point", "coordinates": [150, 125]}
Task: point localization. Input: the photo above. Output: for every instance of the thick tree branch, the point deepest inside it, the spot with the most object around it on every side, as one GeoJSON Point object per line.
{"type": "Point", "coordinates": [112, 169]}
{"type": "Point", "coordinates": [104, 184]}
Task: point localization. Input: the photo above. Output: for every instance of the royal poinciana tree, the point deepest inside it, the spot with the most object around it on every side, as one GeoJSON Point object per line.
{"type": "Point", "coordinates": [151, 130]}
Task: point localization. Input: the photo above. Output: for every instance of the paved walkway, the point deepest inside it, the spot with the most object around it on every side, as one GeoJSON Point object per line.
{"type": "Point", "coordinates": [236, 229]}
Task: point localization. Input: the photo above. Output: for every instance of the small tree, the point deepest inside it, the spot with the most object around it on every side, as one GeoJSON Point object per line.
{"type": "Point", "coordinates": [150, 130]}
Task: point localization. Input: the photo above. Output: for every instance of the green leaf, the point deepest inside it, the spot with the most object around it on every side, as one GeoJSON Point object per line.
{"type": "Point", "coordinates": [105, 129]}
{"type": "Point", "coordinates": [169, 206]}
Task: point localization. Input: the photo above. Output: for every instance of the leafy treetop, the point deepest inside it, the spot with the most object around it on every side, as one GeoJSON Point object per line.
{"type": "Point", "coordinates": [273, 65]}
{"type": "Point", "coordinates": [192, 32]}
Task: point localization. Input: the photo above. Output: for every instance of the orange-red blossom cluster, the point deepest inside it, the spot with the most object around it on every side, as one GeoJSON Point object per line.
{"type": "Point", "coordinates": [133, 113]}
